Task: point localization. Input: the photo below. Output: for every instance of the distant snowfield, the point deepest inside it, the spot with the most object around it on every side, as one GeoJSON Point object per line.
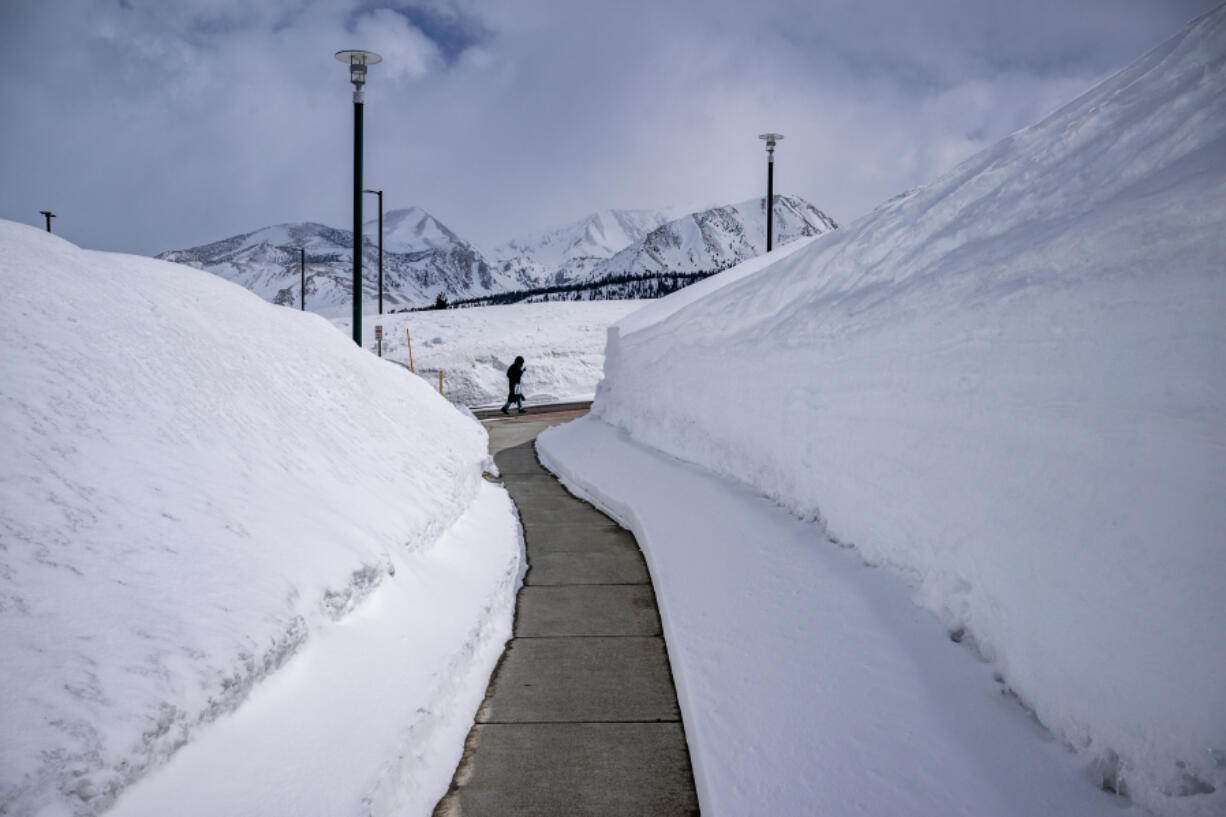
{"type": "Point", "coordinates": [225, 527]}
{"type": "Point", "coordinates": [1007, 386]}
{"type": "Point", "coordinates": [562, 345]}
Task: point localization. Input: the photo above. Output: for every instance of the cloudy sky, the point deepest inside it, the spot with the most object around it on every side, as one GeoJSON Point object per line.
{"type": "Point", "coordinates": [149, 125]}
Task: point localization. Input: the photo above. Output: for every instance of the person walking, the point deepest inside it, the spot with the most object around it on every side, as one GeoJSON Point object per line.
{"type": "Point", "coordinates": [514, 395]}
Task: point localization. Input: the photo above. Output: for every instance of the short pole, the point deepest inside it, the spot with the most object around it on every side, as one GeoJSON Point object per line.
{"type": "Point", "coordinates": [409, 340]}
{"type": "Point", "coordinates": [50, 215]}
{"type": "Point", "coordinates": [440, 381]}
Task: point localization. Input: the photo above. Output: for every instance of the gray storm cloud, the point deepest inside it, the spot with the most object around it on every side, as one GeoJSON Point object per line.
{"type": "Point", "coordinates": [156, 125]}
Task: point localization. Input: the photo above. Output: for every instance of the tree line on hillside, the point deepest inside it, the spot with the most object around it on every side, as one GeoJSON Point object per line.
{"type": "Point", "coordinates": [613, 288]}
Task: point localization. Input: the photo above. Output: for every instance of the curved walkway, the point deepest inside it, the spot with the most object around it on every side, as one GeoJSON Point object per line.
{"type": "Point", "coordinates": [581, 715]}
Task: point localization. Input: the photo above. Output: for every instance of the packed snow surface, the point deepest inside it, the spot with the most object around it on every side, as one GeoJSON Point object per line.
{"type": "Point", "coordinates": [562, 346]}
{"type": "Point", "coordinates": [216, 514]}
{"type": "Point", "coordinates": [1008, 387]}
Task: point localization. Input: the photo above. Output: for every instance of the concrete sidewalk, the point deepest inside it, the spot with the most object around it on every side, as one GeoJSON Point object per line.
{"type": "Point", "coordinates": [581, 715]}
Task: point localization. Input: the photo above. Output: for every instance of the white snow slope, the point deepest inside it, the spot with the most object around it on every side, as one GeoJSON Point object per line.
{"type": "Point", "coordinates": [204, 497]}
{"type": "Point", "coordinates": [1008, 386]}
{"type": "Point", "coordinates": [716, 238]}
{"type": "Point", "coordinates": [598, 235]}
{"type": "Point", "coordinates": [411, 229]}
{"type": "Point", "coordinates": [562, 345]}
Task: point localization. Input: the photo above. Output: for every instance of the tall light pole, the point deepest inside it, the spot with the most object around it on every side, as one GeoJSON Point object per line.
{"type": "Point", "coordinates": [771, 139]}
{"type": "Point", "coordinates": [379, 193]}
{"type": "Point", "coordinates": [50, 215]}
{"type": "Point", "coordinates": [358, 60]}
{"type": "Point", "coordinates": [302, 275]}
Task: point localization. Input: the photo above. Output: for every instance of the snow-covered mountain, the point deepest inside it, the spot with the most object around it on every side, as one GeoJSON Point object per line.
{"type": "Point", "coordinates": [261, 260]}
{"type": "Point", "coordinates": [563, 254]}
{"type": "Point", "coordinates": [716, 239]}
{"type": "Point", "coordinates": [421, 257]}
{"type": "Point", "coordinates": [411, 230]}
{"type": "Point", "coordinates": [598, 235]}
{"type": "Point", "coordinates": [619, 243]}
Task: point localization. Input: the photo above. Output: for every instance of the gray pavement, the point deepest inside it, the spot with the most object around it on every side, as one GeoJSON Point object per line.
{"type": "Point", "coordinates": [581, 714]}
{"type": "Point", "coordinates": [532, 411]}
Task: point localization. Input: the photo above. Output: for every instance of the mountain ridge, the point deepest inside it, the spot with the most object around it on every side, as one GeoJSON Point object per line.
{"type": "Point", "coordinates": [422, 257]}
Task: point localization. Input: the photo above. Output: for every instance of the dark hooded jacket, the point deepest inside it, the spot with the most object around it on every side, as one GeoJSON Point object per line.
{"type": "Point", "coordinates": [514, 373]}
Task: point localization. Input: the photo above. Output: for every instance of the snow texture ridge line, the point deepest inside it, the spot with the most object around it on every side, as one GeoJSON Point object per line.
{"type": "Point", "coordinates": [358, 721]}
{"type": "Point", "coordinates": [416, 778]}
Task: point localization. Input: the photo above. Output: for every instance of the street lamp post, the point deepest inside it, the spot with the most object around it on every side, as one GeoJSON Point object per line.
{"type": "Point", "coordinates": [50, 215]}
{"type": "Point", "coordinates": [302, 276]}
{"type": "Point", "coordinates": [771, 139]}
{"type": "Point", "coordinates": [358, 60]}
{"type": "Point", "coordinates": [379, 193]}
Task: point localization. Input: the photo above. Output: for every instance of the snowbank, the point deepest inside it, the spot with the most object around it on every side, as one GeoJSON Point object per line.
{"type": "Point", "coordinates": [1008, 385]}
{"type": "Point", "coordinates": [809, 683]}
{"type": "Point", "coordinates": [197, 487]}
{"type": "Point", "coordinates": [371, 717]}
{"type": "Point", "coordinates": [562, 344]}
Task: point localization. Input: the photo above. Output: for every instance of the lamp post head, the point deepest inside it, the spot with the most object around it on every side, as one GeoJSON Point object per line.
{"type": "Point", "coordinates": [771, 139]}
{"type": "Point", "coordinates": [358, 60]}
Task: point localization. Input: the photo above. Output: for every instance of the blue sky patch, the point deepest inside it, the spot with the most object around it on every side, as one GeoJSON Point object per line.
{"type": "Point", "coordinates": [451, 30]}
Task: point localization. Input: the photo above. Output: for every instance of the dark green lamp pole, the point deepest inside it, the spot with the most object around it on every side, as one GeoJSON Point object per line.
{"type": "Point", "coordinates": [771, 139]}
{"type": "Point", "coordinates": [358, 60]}
{"type": "Point", "coordinates": [302, 275]}
{"type": "Point", "coordinates": [50, 215]}
{"type": "Point", "coordinates": [379, 193]}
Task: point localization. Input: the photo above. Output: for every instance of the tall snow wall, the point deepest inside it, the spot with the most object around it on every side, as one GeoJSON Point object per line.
{"type": "Point", "coordinates": [194, 482]}
{"type": "Point", "coordinates": [1009, 386]}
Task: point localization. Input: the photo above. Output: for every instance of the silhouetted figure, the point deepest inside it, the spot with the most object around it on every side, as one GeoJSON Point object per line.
{"type": "Point", "coordinates": [514, 395]}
